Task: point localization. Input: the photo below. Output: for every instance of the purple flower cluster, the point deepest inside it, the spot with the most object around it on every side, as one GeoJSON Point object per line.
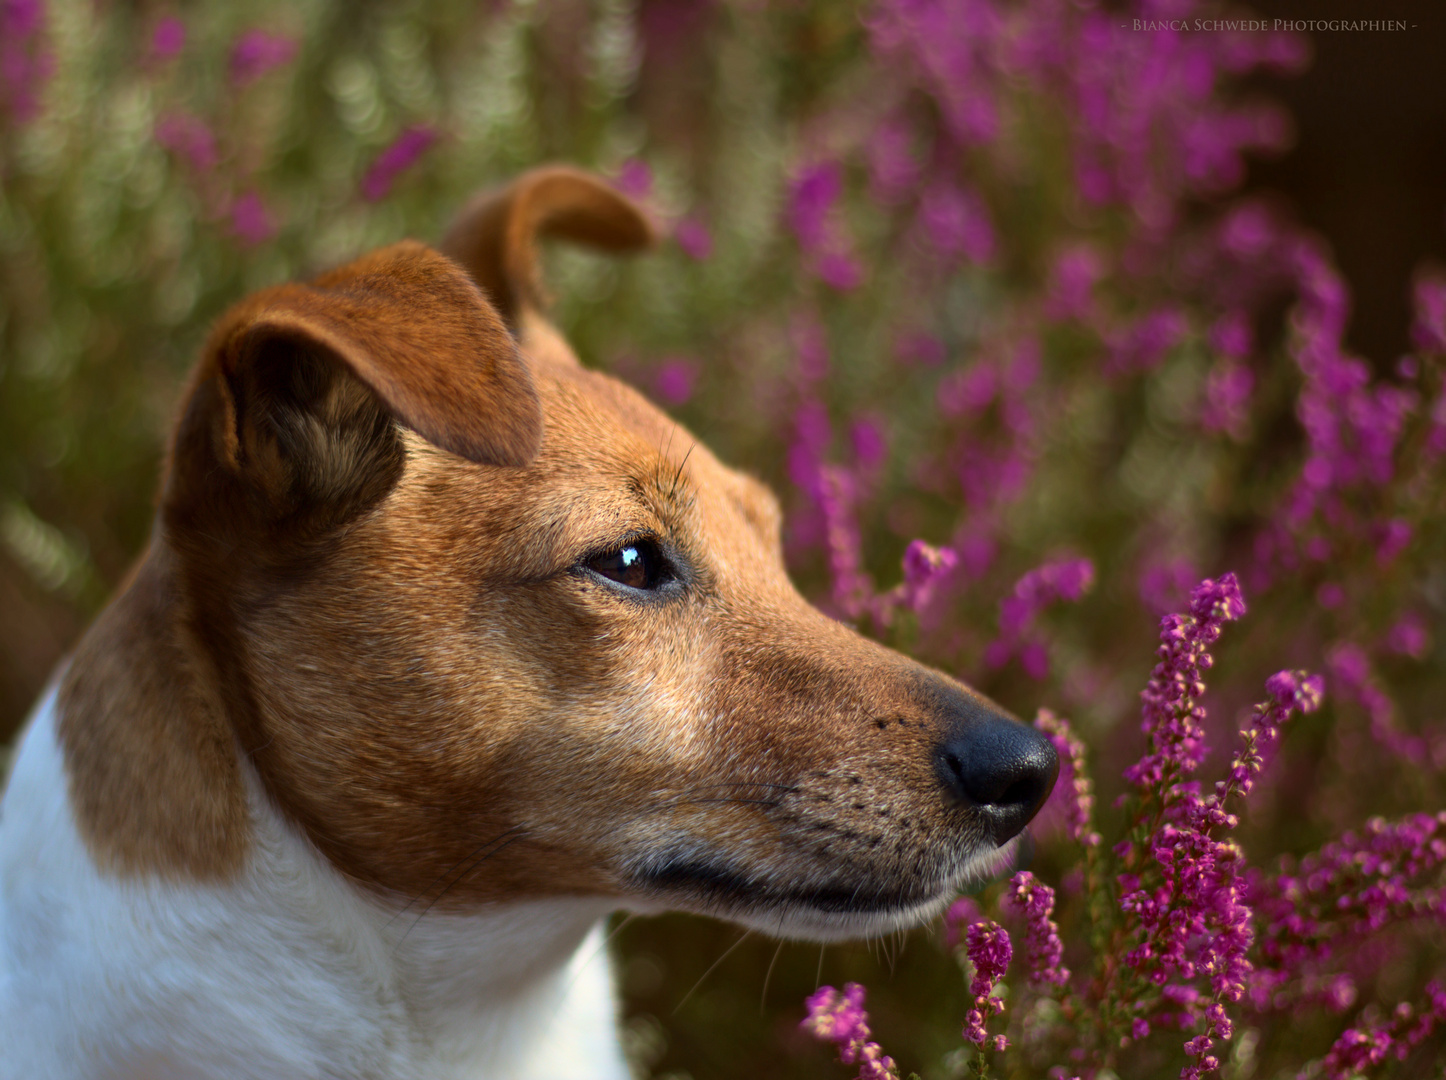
{"type": "Point", "coordinates": [256, 52]}
{"type": "Point", "coordinates": [189, 139]}
{"type": "Point", "coordinates": [852, 587]}
{"type": "Point", "coordinates": [1354, 430]}
{"type": "Point", "coordinates": [1172, 714]}
{"type": "Point", "coordinates": [1351, 671]}
{"type": "Point", "coordinates": [1061, 581]}
{"type": "Point", "coordinates": [1043, 949]}
{"type": "Point", "coordinates": [167, 39]}
{"type": "Point", "coordinates": [694, 238]}
{"type": "Point", "coordinates": [1428, 332]}
{"type": "Point", "coordinates": [251, 220]}
{"type": "Point", "coordinates": [1360, 1048]}
{"type": "Point", "coordinates": [1194, 922]}
{"type": "Point", "coordinates": [1074, 789]}
{"type": "Point", "coordinates": [989, 950]}
{"type": "Point", "coordinates": [401, 155]}
{"type": "Point", "coordinates": [925, 567]}
{"type": "Point", "coordinates": [25, 62]}
{"type": "Point", "coordinates": [1315, 912]}
{"type": "Point", "coordinates": [840, 1018]}
{"type": "Point", "coordinates": [816, 221]}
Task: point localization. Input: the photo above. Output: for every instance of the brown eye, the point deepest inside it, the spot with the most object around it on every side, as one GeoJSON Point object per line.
{"type": "Point", "coordinates": [638, 565]}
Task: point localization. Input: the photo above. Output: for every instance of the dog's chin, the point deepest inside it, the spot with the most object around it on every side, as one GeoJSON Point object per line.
{"type": "Point", "coordinates": [828, 911]}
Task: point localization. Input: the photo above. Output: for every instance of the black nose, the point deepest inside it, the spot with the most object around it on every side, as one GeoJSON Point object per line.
{"type": "Point", "coordinates": [1004, 768]}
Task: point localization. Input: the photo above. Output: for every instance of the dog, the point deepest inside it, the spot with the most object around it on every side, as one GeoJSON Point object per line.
{"type": "Point", "coordinates": [443, 648]}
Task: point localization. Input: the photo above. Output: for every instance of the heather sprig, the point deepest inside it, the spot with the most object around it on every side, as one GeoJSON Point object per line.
{"type": "Point", "coordinates": [1043, 949]}
{"type": "Point", "coordinates": [1172, 713]}
{"type": "Point", "coordinates": [989, 950]}
{"type": "Point", "coordinates": [1057, 581]}
{"type": "Point", "coordinates": [840, 1018]}
{"type": "Point", "coordinates": [1315, 911]}
{"type": "Point", "coordinates": [1181, 888]}
{"type": "Point", "coordinates": [1376, 1040]}
{"type": "Point", "coordinates": [1074, 787]}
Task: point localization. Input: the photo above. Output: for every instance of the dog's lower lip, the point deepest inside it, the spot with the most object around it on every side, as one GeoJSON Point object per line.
{"type": "Point", "coordinates": [717, 884]}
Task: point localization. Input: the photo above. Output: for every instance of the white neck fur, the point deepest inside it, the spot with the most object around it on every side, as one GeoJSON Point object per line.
{"type": "Point", "coordinates": [289, 970]}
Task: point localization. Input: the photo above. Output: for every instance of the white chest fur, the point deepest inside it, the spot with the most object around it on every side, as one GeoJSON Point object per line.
{"type": "Point", "coordinates": [287, 971]}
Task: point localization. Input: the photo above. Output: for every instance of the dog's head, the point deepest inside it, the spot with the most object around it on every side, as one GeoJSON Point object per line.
{"type": "Point", "coordinates": [490, 626]}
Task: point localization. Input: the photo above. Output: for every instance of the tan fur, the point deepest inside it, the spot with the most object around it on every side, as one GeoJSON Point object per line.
{"type": "Point", "coordinates": [495, 236]}
{"type": "Point", "coordinates": [372, 549]}
{"type": "Point", "coordinates": [155, 778]}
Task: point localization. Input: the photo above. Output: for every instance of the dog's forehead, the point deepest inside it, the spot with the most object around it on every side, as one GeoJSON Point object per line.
{"type": "Point", "coordinates": [609, 461]}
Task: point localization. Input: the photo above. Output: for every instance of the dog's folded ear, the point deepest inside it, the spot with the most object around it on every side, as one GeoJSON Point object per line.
{"type": "Point", "coordinates": [296, 394]}
{"type": "Point", "coordinates": [495, 236]}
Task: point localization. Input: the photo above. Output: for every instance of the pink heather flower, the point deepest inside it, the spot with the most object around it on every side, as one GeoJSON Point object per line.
{"type": "Point", "coordinates": [920, 350]}
{"type": "Point", "coordinates": [1314, 911]}
{"type": "Point", "coordinates": [812, 435]}
{"type": "Point", "coordinates": [839, 271]}
{"type": "Point", "coordinates": [841, 1020]}
{"type": "Point", "coordinates": [970, 391]}
{"type": "Point", "coordinates": [989, 950]}
{"type": "Point", "coordinates": [1074, 787]}
{"type": "Point", "coordinates": [1227, 399]}
{"type": "Point", "coordinates": [396, 159]}
{"type": "Point", "coordinates": [1171, 713]}
{"type": "Point", "coordinates": [814, 219]}
{"type": "Point", "coordinates": [1142, 346]}
{"type": "Point", "coordinates": [852, 587]}
{"type": "Point", "coordinates": [1232, 336]}
{"type": "Point", "coordinates": [1291, 691]}
{"type": "Point", "coordinates": [634, 179]}
{"type": "Point", "coordinates": [1354, 675]}
{"type": "Point", "coordinates": [694, 238]}
{"type": "Point", "coordinates": [675, 380]}
{"type": "Point", "coordinates": [1428, 332]}
{"type": "Point", "coordinates": [925, 567]}
{"type": "Point", "coordinates": [1196, 923]}
{"type": "Point", "coordinates": [1072, 279]}
{"type": "Point", "coordinates": [1409, 637]}
{"type": "Point", "coordinates": [1248, 232]}
{"type": "Point", "coordinates": [168, 38]}
{"type": "Point", "coordinates": [894, 166]}
{"type": "Point", "coordinates": [189, 139]}
{"type": "Point", "coordinates": [1393, 538]}
{"type": "Point", "coordinates": [954, 46]}
{"type": "Point", "coordinates": [811, 201]}
{"type": "Point", "coordinates": [976, 553]}
{"type": "Point", "coordinates": [251, 221]}
{"type": "Point", "coordinates": [955, 221]}
{"type": "Point", "coordinates": [256, 52]}
{"type": "Point", "coordinates": [22, 18]}
{"type": "Point", "coordinates": [869, 445]}
{"type": "Point", "coordinates": [25, 63]}
{"type": "Point", "coordinates": [1042, 947]}
{"type": "Point", "coordinates": [1358, 1049]}
{"type": "Point", "coordinates": [1064, 580]}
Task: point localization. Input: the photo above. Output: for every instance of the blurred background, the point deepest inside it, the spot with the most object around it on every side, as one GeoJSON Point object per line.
{"type": "Point", "coordinates": [1023, 281]}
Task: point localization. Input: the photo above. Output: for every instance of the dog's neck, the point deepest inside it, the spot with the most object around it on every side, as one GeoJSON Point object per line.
{"type": "Point", "coordinates": [284, 952]}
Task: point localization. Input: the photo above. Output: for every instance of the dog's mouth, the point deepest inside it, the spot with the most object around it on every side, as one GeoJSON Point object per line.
{"type": "Point", "coordinates": [831, 908]}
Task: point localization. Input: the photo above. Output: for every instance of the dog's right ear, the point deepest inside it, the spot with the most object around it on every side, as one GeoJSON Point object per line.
{"type": "Point", "coordinates": [292, 406]}
{"type": "Point", "coordinates": [495, 236]}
